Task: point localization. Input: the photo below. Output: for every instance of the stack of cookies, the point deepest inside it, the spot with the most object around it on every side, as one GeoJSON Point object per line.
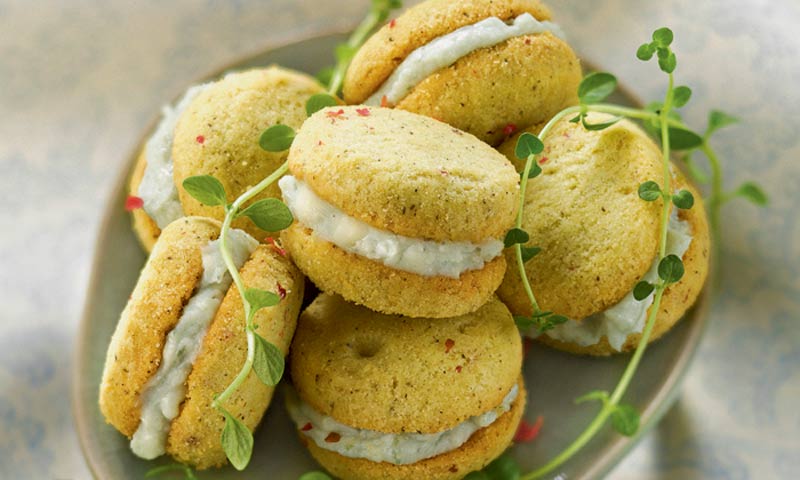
{"type": "Point", "coordinates": [408, 364]}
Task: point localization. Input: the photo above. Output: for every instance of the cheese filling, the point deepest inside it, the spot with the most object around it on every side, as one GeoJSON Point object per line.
{"type": "Point", "coordinates": [446, 50]}
{"type": "Point", "coordinates": [423, 257]}
{"type": "Point", "coordinates": [629, 315]}
{"type": "Point", "coordinates": [157, 189]}
{"type": "Point", "coordinates": [166, 390]}
{"type": "Point", "coordinates": [395, 448]}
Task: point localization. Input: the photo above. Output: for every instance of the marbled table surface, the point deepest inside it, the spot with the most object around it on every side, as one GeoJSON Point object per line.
{"type": "Point", "coordinates": [79, 79]}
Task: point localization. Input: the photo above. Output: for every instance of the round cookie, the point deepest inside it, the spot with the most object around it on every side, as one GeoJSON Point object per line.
{"type": "Point", "coordinates": [230, 117]}
{"type": "Point", "coordinates": [518, 82]}
{"type": "Point", "coordinates": [405, 175]}
{"type": "Point", "coordinates": [598, 238]}
{"type": "Point", "coordinates": [678, 297]}
{"type": "Point", "coordinates": [353, 365]}
{"type": "Point", "coordinates": [168, 281]}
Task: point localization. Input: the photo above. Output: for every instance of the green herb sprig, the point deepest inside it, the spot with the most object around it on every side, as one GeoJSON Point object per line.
{"type": "Point", "coordinates": [661, 119]}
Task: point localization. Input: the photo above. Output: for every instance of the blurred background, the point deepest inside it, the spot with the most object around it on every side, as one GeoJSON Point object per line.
{"type": "Point", "coordinates": [81, 79]}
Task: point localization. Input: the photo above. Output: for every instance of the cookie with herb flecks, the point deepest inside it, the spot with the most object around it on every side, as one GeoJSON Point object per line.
{"type": "Point", "coordinates": [483, 67]}
{"type": "Point", "coordinates": [181, 340]}
{"type": "Point", "coordinates": [214, 129]}
{"type": "Point", "coordinates": [598, 239]}
{"type": "Point", "coordinates": [398, 212]}
{"type": "Point", "coordinates": [390, 397]}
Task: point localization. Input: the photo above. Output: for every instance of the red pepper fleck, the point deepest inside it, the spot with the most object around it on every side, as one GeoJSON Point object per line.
{"type": "Point", "coordinates": [393, 23]}
{"type": "Point", "coordinates": [510, 129]}
{"type": "Point", "coordinates": [566, 135]}
{"type": "Point", "coordinates": [444, 172]}
{"type": "Point", "coordinates": [307, 427]}
{"type": "Point", "coordinates": [454, 469]}
{"type": "Point", "coordinates": [333, 437]}
{"type": "Point", "coordinates": [543, 160]}
{"type": "Point", "coordinates": [200, 139]}
{"type": "Point", "coordinates": [364, 112]}
{"type": "Point", "coordinates": [133, 203]}
{"type": "Point", "coordinates": [337, 114]}
{"type": "Point", "coordinates": [281, 291]}
{"type": "Point", "coordinates": [320, 143]}
{"type": "Point", "coordinates": [276, 246]}
{"type": "Point", "coordinates": [527, 432]}
{"type": "Point", "coordinates": [526, 346]}
{"type": "Point", "coordinates": [448, 345]}
{"type": "Point", "coordinates": [384, 101]}
{"type": "Point", "coordinates": [527, 41]}
{"type": "Point", "coordinates": [458, 369]}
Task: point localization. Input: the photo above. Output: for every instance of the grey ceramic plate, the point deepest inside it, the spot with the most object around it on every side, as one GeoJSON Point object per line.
{"type": "Point", "coordinates": [553, 378]}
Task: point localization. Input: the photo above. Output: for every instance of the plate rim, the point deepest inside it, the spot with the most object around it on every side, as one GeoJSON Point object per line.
{"type": "Point", "coordinates": [610, 454]}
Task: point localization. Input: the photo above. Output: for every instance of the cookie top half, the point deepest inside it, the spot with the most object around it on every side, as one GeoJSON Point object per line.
{"type": "Point", "coordinates": [406, 173]}
{"type": "Point", "coordinates": [397, 374]}
{"type": "Point", "coordinates": [219, 132]}
{"type": "Point", "coordinates": [387, 49]}
{"type": "Point", "coordinates": [598, 238]}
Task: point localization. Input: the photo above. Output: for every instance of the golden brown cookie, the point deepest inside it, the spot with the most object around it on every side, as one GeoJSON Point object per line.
{"type": "Point", "coordinates": [404, 175]}
{"type": "Point", "coordinates": [355, 366]}
{"type": "Point", "coordinates": [519, 82]}
{"type": "Point", "coordinates": [168, 281]}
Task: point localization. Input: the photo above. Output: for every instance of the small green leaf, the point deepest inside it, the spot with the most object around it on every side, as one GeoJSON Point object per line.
{"type": "Point", "coordinates": [529, 252]}
{"type": "Point", "coordinates": [259, 299]}
{"type": "Point", "coordinates": [718, 119]}
{"type": "Point", "coordinates": [643, 290]}
{"type": "Point", "coordinates": [599, 395]}
{"type": "Point", "coordinates": [551, 322]}
{"type": "Point", "coordinates": [663, 37]}
{"type": "Point", "coordinates": [277, 138]}
{"type": "Point", "coordinates": [528, 144]}
{"type": "Point", "coordinates": [649, 191]}
{"type": "Point", "coordinates": [479, 475]}
{"type": "Point", "coordinates": [534, 172]}
{"type": "Point", "coordinates": [523, 322]}
{"type": "Point", "coordinates": [503, 468]}
{"type": "Point", "coordinates": [753, 192]}
{"type": "Point", "coordinates": [596, 86]}
{"type": "Point", "coordinates": [316, 475]}
{"type": "Point", "coordinates": [681, 96]}
{"type": "Point", "coordinates": [237, 441]}
{"type": "Point", "coordinates": [515, 236]}
{"type": "Point", "coordinates": [683, 199]}
{"type": "Point", "coordinates": [206, 190]}
{"type": "Point", "coordinates": [646, 51]}
{"type": "Point", "coordinates": [668, 63]}
{"type": "Point", "coordinates": [542, 314]}
{"type": "Point", "coordinates": [599, 126]}
{"type": "Point", "coordinates": [318, 102]}
{"type": "Point", "coordinates": [325, 75]}
{"type": "Point", "coordinates": [576, 118]}
{"type": "Point", "coordinates": [625, 420]}
{"type": "Point", "coordinates": [269, 214]}
{"type": "Point", "coordinates": [670, 269]}
{"type": "Point", "coordinates": [681, 139]}
{"type": "Point", "coordinates": [268, 361]}
{"type": "Point", "coordinates": [345, 52]}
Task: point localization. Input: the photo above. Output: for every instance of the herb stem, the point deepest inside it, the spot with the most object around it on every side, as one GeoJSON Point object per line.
{"type": "Point", "coordinates": [230, 214]}
{"type": "Point", "coordinates": [715, 201]}
{"type": "Point", "coordinates": [374, 18]}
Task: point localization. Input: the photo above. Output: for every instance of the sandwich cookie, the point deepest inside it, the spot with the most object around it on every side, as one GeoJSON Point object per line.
{"type": "Point", "coordinates": [214, 130]}
{"type": "Point", "coordinates": [181, 340]}
{"type": "Point", "coordinates": [599, 239]}
{"type": "Point", "coordinates": [391, 397]}
{"type": "Point", "coordinates": [483, 67]}
{"type": "Point", "coordinates": [393, 208]}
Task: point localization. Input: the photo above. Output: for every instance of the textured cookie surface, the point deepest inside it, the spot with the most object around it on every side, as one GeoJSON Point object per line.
{"type": "Point", "coordinates": [194, 436]}
{"type": "Point", "coordinates": [385, 289]}
{"type": "Point", "coordinates": [145, 228]}
{"type": "Point", "coordinates": [406, 173]}
{"type": "Point", "coordinates": [396, 374]}
{"type": "Point", "coordinates": [598, 238]}
{"type": "Point", "coordinates": [218, 134]}
{"type": "Point", "coordinates": [165, 285]}
{"type": "Point", "coordinates": [387, 49]}
{"type": "Point", "coordinates": [679, 297]}
{"type": "Point", "coordinates": [482, 447]}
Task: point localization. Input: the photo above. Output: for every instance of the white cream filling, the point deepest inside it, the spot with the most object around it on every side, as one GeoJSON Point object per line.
{"type": "Point", "coordinates": [444, 51]}
{"type": "Point", "coordinates": [423, 257]}
{"type": "Point", "coordinates": [395, 448]}
{"type": "Point", "coordinates": [629, 315]}
{"type": "Point", "coordinates": [164, 393]}
{"type": "Point", "coordinates": [157, 189]}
